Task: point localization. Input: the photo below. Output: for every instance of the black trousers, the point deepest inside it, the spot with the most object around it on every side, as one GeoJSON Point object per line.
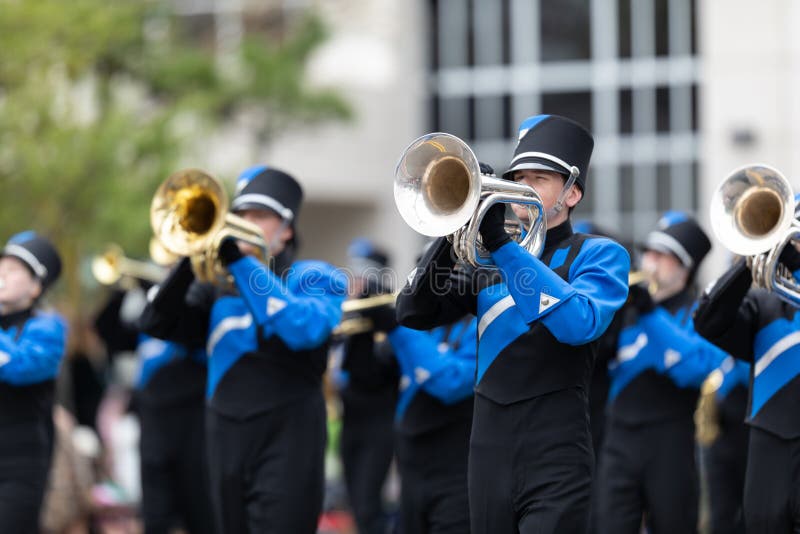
{"type": "Point", "coordinates": [648, 471]}
{"type": "Point", "coordinates": [267, 472]}
{"type": "Point", "coordinates": [772, 484]}
{"type": "Point", "coordinates": [25, 456]}
{"type": "Point", "coordinates": [726, 462]}
{"type": "Point", "coordinates": [173, 468]}
{"type": "Point", "coordinates": [530, 465]}
{"type": "Point", "coordinates": [367, 448]}
{"type": "Point", "coordinates": [433, 471]}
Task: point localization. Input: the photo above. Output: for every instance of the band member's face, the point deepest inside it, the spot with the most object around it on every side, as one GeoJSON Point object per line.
{"type": "Point", "coordinates": [549, 185]}
{"type": "Point", "coordinates": [19, 286]}
{"type": "Point", "coordinates": [666, 270]}
{"type": "Point", "coordinates": [275, 233]}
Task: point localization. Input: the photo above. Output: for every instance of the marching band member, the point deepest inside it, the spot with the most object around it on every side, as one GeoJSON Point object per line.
{"type": "Point", "coordinates": [267, 350]}
{"type": "Point", "coordinates": [756, 326]}
{"type": "Point", "coordinates": [168, 398]}
{"type": "Point", "coordinates": [369, 379]}
{"type": "Point", "coordinates": [32, 344]}
{"type": "Point", "coordinates": [531, 458]}
{"type": "Point", "coordinates": [170, 403]}
{"type": "Point", "coordinates": [725, 457]}
{"type": "Point", "coordinates": [647, 466]}
{"type": "Point", "coordinates": [433, 421]}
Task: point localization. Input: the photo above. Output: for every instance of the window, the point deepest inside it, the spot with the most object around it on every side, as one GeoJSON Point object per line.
{"type": "Point", "coordinates": [565, 30]}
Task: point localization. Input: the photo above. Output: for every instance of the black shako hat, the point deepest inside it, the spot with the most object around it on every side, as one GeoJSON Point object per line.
{"type": "Point", "coordinates": [679, 234]}
{"type": "Point", "coordinates": [552, 143]}
{"type": "Point", "coordinates": [266, 188]}
{"type": "Point", "coordinates": [38, 253]}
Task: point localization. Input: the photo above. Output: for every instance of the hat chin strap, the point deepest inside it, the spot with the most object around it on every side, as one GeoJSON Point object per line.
{"type": "Point", "coordinates": [558, 207]}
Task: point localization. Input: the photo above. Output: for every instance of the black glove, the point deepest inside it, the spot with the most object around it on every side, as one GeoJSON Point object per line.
{"type": "Point", "coordinates": [790, 257]}
{"type": "Point", "coordinates": [493, 228]}
{"type": "Point", "coordinates": [383, 318]}
{"type": "Point", "coordinates": [639, 297]}
{"type": "Point", "coordinates": [229, 252]}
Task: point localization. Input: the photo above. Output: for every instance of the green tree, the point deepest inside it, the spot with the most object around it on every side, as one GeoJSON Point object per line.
{"type": "Point", "coordinates": [93, 96]}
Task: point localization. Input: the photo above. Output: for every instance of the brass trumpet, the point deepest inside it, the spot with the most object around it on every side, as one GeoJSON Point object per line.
{"type": "Point", "coordinates": [360, 325]}
{"type": "Point", "coordinates": [189, 215]}
{"type": "Point", "coordinates": [112, 266]}
{"type": "Point", "coordinates": [439, 191]}
{"type": "Point", "coordinates": [753, 215]}
{"type": "Point", "coordinates": [638, 277]}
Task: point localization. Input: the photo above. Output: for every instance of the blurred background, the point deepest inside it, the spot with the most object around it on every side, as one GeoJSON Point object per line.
{"type": "Point", "coordinates": [100, 101]}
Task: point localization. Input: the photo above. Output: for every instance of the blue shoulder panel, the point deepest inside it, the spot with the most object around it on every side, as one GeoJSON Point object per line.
{"type": "Point", "coordinates": [776, 359]}
{"type": "Point", "coordinates": [154, 354]}
{"type": "Point", "coordinates": [232, 333]}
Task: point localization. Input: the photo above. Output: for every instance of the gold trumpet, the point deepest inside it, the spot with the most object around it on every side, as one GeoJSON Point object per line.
{"type": "Point", "coordinates": [189, 215]}
{"type": "Point", "coordinates": [638, 277]}
{"type": "Point", "coordinates": [358, 324]}
{"type": "Point", "coordinates": [112, 266]}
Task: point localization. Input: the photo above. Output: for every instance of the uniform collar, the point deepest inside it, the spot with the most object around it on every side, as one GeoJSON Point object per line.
{"type": "Point", "coordinates": [15, 318]}
{"type": "Point", "coordinates": [558, 234]}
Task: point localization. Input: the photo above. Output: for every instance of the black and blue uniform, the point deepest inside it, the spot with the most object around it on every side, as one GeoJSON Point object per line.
{"type": "Point", "coordinates": [756, 326]}
{"type": "Point", "coordinates": [32, 345]}
{"type": "Point", "coordinates": [169, 393]}
{"type": "Point", "coordinates": [434, 422]}
{"type": "Point", "coordinates": [648, 466]}
{"type": "Point", "coordinates": [267, 352]}
{"type": "Point", "coordinates": [531, 458]}
{"type": "Point", "coordinates": [367, 378]}
{"type": "Point", "coordinates": [726, 458]}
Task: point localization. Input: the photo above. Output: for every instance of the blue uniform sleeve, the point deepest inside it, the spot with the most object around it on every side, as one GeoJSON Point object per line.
{"type": "Point", "coordinates": [575, 312]}
{"type": "Point", "coordinates": [36, 354]}
{"type": "Point", "coordinates": [734, 373]}
{"type": "Point", "coordinates": [449, 376]}
{"type": "Point", "coordinates": [301, 311]}
{"type": "Point", "coordinates": [687, 357]}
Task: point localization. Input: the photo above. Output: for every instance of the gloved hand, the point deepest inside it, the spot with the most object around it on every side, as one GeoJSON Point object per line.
{"type": "Point", "coordinates": [790, 257]}
{"type": "Point", "coordinates": [383, 317]}
{"type": "Point", "coordinates": [493, 231]}
{"type": "Point", "coordinates": [640, 298]}
{"type": "Point", "coordinates": [229, 252]}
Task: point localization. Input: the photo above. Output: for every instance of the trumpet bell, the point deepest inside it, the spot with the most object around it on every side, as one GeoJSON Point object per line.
{"type": "Point", "coordinates": [188, 208]}
{"type": "Point", "coordinates": [106, 266]}
{"type": "Point", "coordinates": [437, 184]}
{"type": "Point", "coordinates": [439, 191]}
{"type": "Point", "coordinates": [752, 209]}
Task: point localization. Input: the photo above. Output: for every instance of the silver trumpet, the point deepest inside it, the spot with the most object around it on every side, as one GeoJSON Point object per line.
{"type": "Point", "coordinates": [753, 215]}
{"type": "Point", "coordinates": [440, 191]}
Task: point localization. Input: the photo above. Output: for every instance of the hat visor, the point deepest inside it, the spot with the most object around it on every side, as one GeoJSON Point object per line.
{"type": "Point", "coordinates": [534, 164]}
{"type": "Point", "coordinates": [659, 246]}
{"type": "Point", "coordinates": [253, 206]}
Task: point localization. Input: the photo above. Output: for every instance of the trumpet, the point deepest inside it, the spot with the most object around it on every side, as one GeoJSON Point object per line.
{"type": "Point", "coordinates": [639, 277]}
{"type": "Point", "coordinates": [440, 191]}
{"type": "Point", "coordinates": [189, 215]}
{"type": "Point", "coordinates": [112, 266]}
{"type": "Point", "coordinates": [359, 324]}
{"type": "Point", "coordinates": [753, 215]}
